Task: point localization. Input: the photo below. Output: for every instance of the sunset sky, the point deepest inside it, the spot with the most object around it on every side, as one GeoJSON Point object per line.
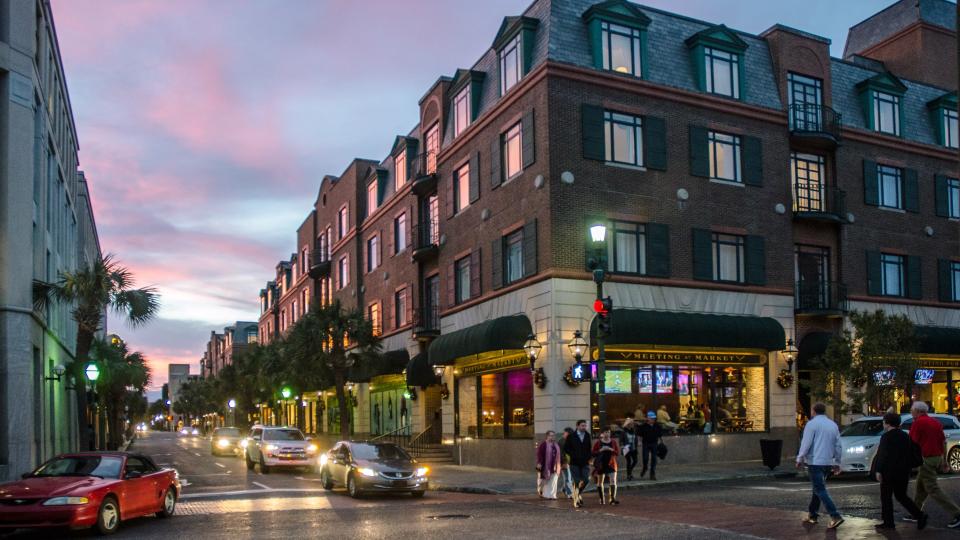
{"type": "Point", "coordinates": [205, 126]}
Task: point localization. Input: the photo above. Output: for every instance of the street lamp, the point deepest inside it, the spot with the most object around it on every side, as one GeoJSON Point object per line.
{"type": "Point", "coordinates": [603, 306]}
{"type": "Point", "coordinates": [598, 232]}
{"type": "Point", "coordinates": [791, 353]}
{"type": "Point", "coordinates": [232, 403]}
{"type": "Point", "coordinates": [93, 373]}
{"type": "Point", "coordinates": [532, 348]}
{"type": "Point", "coordinates": [577, 346]}
{"type": "Point", "coordinates": [286, 392]}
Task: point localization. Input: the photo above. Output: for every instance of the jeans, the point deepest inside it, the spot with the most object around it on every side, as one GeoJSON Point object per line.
{"type": "Point", "coordinates": [896, 486]}
{"type": "Point", "coordinates": [631, 461]}
{"type": "Point", "coordinates": [818, 478]}
{"type": "Point", "coordinates": [650, 457]}
{"type": "Point", "coordinates": [567, 481]}
{"type": "Point", "coordinates": [580, 474]}
{"type": "Point", "coordinates": [927, 486]}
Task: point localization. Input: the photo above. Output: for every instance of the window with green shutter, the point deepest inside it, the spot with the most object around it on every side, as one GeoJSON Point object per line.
{"type": "Point", "coordinates": [592, 133]}
{"type": "Point", "coordinates": [948, 280]}
{"type": "Point", "coordinates": [943, 116]}
{"type": "Point", "coordinates": [914, 278]}
{"type": "Point", "coordinates": [716, 54]}
{"type": "Point", "coordinates": [618, 37]}
{"type": "Point", "coordinates": [514, 44]}
{"type": "Point", "coordinates": [881, 97]}
{"type": "Point", "coordinates": [702, 254]}
{"type": "Point", "coordinates": [947, 194]}
{"type": "Point", "coordinates": [654, 143]}
{"type": "Point", "coordinates": [699, 152]}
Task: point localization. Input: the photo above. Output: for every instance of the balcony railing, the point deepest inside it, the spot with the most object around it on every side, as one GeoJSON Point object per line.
{"type": "Point", "coordinates": [426, 321]}
{"type": "Point", "coordinates": [816, 201]}
{"type": "Point", "coordinates": [319, 264]}
{"type": "Point", "coordinates": [426, 239]}
{"type": "Point", "coordinates": [820, 297]}
{"type": "Point", "coordinates": [816, 120]}
{"type": "Point", "coordinates": [425, 173]}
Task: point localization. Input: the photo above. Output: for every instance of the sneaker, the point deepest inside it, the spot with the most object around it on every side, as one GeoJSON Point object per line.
{"type": "Point", "coordinates": [614, 502]}
{"type": "Point", "coordinates": [835, 522]}
{"type": "Point", "coordinates": [810, 519]}
{"type": "Point", "coordinates": [922, 522]}
{"type": "Point", "coordinates": [910, 519]}
{"type": "Point", "coordinates": [954, 523]}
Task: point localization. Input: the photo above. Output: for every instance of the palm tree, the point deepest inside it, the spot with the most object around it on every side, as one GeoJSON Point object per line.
{"type": "Point", "coordinates": [120, 370]}
{"type": "Point", "coordinates": [325, 343]}
{"type": "Point", "coordinates": [105, 285]}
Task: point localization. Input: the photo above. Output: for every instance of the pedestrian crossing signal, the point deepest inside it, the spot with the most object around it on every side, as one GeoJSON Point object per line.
{"type": "Point", "coordinates": [577, 371]}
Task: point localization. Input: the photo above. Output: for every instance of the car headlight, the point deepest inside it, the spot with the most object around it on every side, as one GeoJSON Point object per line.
{"type": "Point", "coordinates": [271, 447]}
{"type": "Point", "coordinates": [223, 443]}
{"type": "Point", "coordinates": [856, 449]}
{"type": "Point", "coordinates": [422, 471]}
{"type": "Point", "coordinates": [323, 459]}
{"type": "Point", "coordinates": [195, 432]}
{"type": "Point", "coordinates": [244, 443]}
{"type": "Point", "coordinates": [312, 449]}
{"type": "Point", "coordinates": [367, 471]}
{"type": "Point", "coordinates": [64, 501]}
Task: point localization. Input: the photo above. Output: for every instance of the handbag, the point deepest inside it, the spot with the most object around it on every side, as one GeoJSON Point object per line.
{"type": "Point", "coordinates": [661, 450]}
{"type": "Point", "coordinates": [916, 457]}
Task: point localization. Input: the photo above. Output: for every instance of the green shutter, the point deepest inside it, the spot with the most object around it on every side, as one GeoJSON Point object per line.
{"type": "Point", "coordinates": [756, 263]}
{"type": "Point", "coordinates": [911, 189]}
{"type": "Point", "coordinates": [654, 143]}
{"type": "Point", "coordinates": [914, 278]}
{"type": "Point", "coordinates": [528, 136]}
{"type": "Point", "coordinates": [591, 120]}
{"type": "Point", "coordinates": [945, 280]}
{"type": "Point", "coordinates": [496, 168]}
{"type": "Point", "coordinates": [474, 177]}
{"type": "Point", "coordinates": [699, 152]}
{"type": "Point", "coordinates": [658, 249]}
{"type": "Point", "coordinates": [596, 43]}
{"type": "Point", "coordinates": [871, 190]}
{"type": "Point", "coordinates": [530, 248]}
{"type": "Point", "coordinates": [527, 40]}
{"type": "Point", "coordinates": [752, 161]}
{"type": "Point", "coordinates": [699, 67]}
{"type": "Point", "coordinates": [702, 254]}
{"type": "Point", "coordinates": [942, 195]}
{"type": "Point", "coordinates": [496, 263]}
{"type": "Point", "coordinates": [866, 102]}
{"type": "Point", "coordinates": [874, 277]}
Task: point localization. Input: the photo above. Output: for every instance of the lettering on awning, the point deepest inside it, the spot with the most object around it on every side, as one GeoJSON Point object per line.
{"type": "Point", "coordinates": [667, 357]}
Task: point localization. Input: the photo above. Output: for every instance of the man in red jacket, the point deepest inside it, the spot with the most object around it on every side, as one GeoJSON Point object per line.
{"type": "Point", "coordinates": [927, 433]}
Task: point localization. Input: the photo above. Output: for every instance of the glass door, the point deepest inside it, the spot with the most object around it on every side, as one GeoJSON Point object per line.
{"type": "Point", "coordinates": [812, 273]}
{"type": "Point", "coordinates": [805, 99]}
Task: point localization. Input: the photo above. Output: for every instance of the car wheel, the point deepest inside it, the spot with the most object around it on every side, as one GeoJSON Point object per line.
{"type": "Point", "coordinates": [169, 503]}
{"type": "Point", "coordinates": [953, 458]}
{"type": "Point", "coordinates": [352, 488]}
{"type": "Point", "coordinates": [417, 494]}
{"type": "Point", "coordinates": [326, 480]}
{"type": "Point", "coordinates": [108, 517]}
{"type": "Point", "coordinates": [263, 466]}
{"type": "Point", "coordinates": [249, 461]}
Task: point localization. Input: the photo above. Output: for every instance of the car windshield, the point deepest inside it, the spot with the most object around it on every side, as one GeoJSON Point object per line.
{"type": "Point", "coordinates": [378, 451]}
{"type": "Point", "coordinates": [101, 466]}
{"type": "Point", "coordinates": [227, 432]}
{"type": "Point", "coordinates": [863, 428]}
{"type": "Point", "coordinates": [282, 435]}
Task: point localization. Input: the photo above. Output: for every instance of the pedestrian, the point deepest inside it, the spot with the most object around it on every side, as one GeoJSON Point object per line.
{"type": "Point", "coordinates": [820, 451]}
{"type": "Point", "coordinates": [605, 453]}
{"type": "Point", "coordinates": [893, 463]}
{"type": "Point", "coordinates": [628, 444]}
{"type": "Point", "coordinates": [565, 464]}
{"type": "Point", "coordinates": [579, 447]}
{"type": "Point", "coordinates": [650, 434]}
{"type": "Point", "coordinates": [548, 466]}
{"type": "Point", "coordinates": [927, 433]}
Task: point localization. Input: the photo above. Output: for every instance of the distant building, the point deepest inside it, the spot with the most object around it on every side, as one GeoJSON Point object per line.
{"type": "Point", "coordinates": [222, 348]}
{"type": "Point", "coordinates": [177, 375]}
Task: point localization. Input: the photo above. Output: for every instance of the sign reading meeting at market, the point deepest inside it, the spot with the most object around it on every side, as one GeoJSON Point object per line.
{"type": "Point", "coordinates": [684, 357]}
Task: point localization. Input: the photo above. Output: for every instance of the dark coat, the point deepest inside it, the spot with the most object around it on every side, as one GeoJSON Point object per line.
{"type": "Point", "coordinates": [649, 434]}
{"type": "Point", "coordinates": [579, 452]}
{"type": "Point", "coordinates": [894, 454]}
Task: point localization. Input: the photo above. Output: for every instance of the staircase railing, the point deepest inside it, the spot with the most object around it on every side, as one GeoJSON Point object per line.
{"type": "Point", "coordinates": [426, 437]}
{"type": "Point", "coordinates": [399, 437]}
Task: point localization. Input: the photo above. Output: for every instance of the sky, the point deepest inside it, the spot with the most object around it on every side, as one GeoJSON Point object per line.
{"type": "Point", "coordinates": [205, 126]}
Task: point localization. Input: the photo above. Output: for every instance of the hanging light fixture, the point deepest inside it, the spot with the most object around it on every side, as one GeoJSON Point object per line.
{"type": "Point", "coordinates": [532, 348]}
{"type": "Point", "coordinates": [791, 354]}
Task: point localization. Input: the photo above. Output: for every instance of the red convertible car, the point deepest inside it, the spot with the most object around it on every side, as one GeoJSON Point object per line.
{"type": "Point", "coordinates": [89, 489]}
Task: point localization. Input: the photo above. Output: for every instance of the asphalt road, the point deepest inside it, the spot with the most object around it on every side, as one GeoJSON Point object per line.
{"type": "Point", "coordinates": [221, 499]}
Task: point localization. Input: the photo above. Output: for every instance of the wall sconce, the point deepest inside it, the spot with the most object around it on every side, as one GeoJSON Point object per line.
{"type": "Point", "coordinates": [438, 371]}
{"type": "Point", "coordinates": [58, 371]}
{"type": "Point", "coordinates": [791, 354]}
{"type": "Point", "coordinates": [532, 348]}
{"type": "Point", "coordinates": [411, 393]}
{"type": "Point", "coordinates": [444, 391]}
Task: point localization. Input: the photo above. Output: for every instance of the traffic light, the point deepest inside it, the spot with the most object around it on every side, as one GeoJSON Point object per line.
{"type": "Point", "coordinates": [603, 307]}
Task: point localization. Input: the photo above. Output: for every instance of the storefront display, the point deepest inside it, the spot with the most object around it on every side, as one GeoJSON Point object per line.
{"type": "Point", "coordinates": [496, 405]}
{"type": "Point", "coordinates": [389, 410]}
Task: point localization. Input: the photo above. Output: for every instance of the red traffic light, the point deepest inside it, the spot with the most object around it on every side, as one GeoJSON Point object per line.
{"type": "Point", "coordinates": [602, 305]}
{"type": "Point", "coordinates": [598, 306]}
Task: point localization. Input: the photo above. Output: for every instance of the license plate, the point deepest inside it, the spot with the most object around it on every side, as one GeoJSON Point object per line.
{"type": "Point", "coordinates": [399, 483]}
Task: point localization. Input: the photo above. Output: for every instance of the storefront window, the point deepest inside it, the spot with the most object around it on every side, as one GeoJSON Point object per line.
{"type": "Point", "coordinates": [491, 405]}
{"type": "Point", "coordinates": [499, 404]}
{"type": "Point", "coordinates": [467, 406]}
{"type": "Point", "coordinates": [520, 401]}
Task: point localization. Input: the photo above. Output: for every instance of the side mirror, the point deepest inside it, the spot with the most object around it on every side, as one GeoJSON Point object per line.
{"type": "Point", "coordinates": [132, 475]}
{"type": "Point", "coordinates": [26, 475]}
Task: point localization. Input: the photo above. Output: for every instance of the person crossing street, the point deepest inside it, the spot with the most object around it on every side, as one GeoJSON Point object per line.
{"type": "Point", "coordinates": [580, 449]}
{"type": "Point", "coordinates": [820, 452]}
{"type": "Point", "coordinates": [928, 434]}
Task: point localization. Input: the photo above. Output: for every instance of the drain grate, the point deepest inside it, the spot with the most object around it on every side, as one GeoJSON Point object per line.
{"type": "Point", "coordinates": [450, 516]}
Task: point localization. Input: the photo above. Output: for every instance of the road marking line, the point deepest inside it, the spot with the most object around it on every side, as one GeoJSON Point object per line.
{"type": "Point", "coordinates": [221, 465]}
{"type": "Point", "coordinates": [273, 492]}
{"type": "Point", "coordinates": [196, 454]}
{"type": "Point", "coordinates": [268, 488]}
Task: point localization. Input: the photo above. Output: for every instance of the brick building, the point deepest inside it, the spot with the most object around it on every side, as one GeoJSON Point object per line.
{"type": "Point", "coordinates": [223, 347]}
{"type": "Point", "coordinates": [754, 190]}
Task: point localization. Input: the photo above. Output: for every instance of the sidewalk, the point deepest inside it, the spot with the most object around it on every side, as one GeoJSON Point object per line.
{"type": "Point", "coordinates": [469, 479]}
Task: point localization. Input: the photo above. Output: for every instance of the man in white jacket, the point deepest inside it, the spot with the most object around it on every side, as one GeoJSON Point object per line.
{"type": "Point", "coordinates": [820, 451]}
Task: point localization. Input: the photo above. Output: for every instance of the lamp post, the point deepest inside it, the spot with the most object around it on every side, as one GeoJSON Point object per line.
{"type": "Point", "coordinates": [92, 373]}
{"type": "Point", "coordinates": [598, 235]}
{"type": "Point", "coordinates": [232, 405]}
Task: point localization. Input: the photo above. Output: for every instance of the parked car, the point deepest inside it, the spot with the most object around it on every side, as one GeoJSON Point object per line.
{"type": "Point", "coordinates": [372, 466]}
{"type": "Point", "coordinates": [278, 447]}
{"type": "Point", "coordinates": [859, 441]}
{"type": "Point", "coordinates": [89, 489]}
{"type": "Point", "coordinates": [225, 440]}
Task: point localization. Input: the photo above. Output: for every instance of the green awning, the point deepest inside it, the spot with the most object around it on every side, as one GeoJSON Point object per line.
{"type": "Point", "coordinates": [388, 363]}
{"type": "Point", "coordinates": [502, 333]}
{"type": "Point", "coordinates": [937, 340]}
{"type": "Point", "coordinates": [649, 327]}
{"type": "Point", "coordinates": [419, 373]}
{"type": "Point", "coordinates": [811, 346]}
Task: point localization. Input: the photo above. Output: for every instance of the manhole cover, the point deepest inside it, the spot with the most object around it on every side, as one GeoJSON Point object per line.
{"type": "Point", "coordinates": [450, 516]}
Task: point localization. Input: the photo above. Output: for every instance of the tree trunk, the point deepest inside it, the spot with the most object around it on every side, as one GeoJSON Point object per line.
{"type": "Point", "coordinates": [84, 340]}
{"type": "Point", "coordinates": [837, 402]}
{"type": "Point", "coordinates": [345, 408]}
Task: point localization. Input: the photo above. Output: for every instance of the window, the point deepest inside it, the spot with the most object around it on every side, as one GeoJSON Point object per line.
{"type": "Point", "coordinates": [728, 258]}
{"type": "Point", "coordinates": [400, 233]}
{"type": "Point", "coordinates": [514, 257]}
{"type": "Point", "coordinates": [293, 312]}
{"type": "Point", "coordinates": [303, 261]}
{"type": "Point", "coordinates": [890, 183]}
{"type": "Point", "coordinates": [510, 65]}
{"type": "Point", "coordinates": [886, 113]}
{"type": "Point", "coordinates": [371, 198]}
{"type": "Point", "coordinates": [373, 315]}
{"type": "Point", "coordinates": [953, 197]}
{"type": "Point", "coordinates": [462, 280]}
{"type": "Point", "coordinates": [432, 147]}
{"type": "Point", "coordinates": [461, 111]}
{"type": "Point", "coordinates": [722, 71]}
{"type": "Point", "coordinates": [343, 222]}
{"type": "Point", "coordinates": [624, 140]}
{"type": "Point", "coordinates": [628, 248]}
{"type": "Point", "coordinates": [512, 160]}
{"type": "Point", "coordinates": [950, 135]}
{"type": "Point", "coordinates": [400, 307]}
{"type": "Point", "coordinates": [955, 280]}
{"type": "Point", "coordinates": [621, 48]}
{"type": "Point", "coordinates": [503, 402]}
{"type": "Point", "coordinates": [892, 274]}
{"type": "Point", "coordinates": [805, 97]}
{"type": "Point", "coordinates": [343, 272]}
{"type": "Point", "coordinates": [373, 253]}
{"type": "Point", "coordinates": [808, 182]}
{"type": "Point", "coordinates": [400, 169]}
{"type": "Point", "coordinates": [461, 188]}
{"type": "Point", "coordinates": [724, 156]}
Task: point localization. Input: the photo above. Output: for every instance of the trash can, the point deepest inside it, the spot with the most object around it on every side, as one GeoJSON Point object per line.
{"type": "Point", "coordinates": [770, 449]}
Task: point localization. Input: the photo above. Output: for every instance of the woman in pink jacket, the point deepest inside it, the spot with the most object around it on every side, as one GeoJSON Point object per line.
{"type": "Point", "coordinates": [548, 466]}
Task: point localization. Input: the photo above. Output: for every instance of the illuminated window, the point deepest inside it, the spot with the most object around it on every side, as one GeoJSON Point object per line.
{"type": "Point", "coordinates": [512, 158]}
{"type": "Point", "coordinates": [373, 315]}
{"type": "Point", "coordinates": [724, 156]}
{"type": "Point", "coordinates": [400, 169]}
{"type": "Point", "coordinates": [728, 258]}
{"type": "Point", "coordinates": [461, 111]}
{"type": "Point", "coordinates": [722, 70]}
{"type": "Point", "coordinates": [371, 198]}
{"type": "Point", "coordinates": [624, 139]}
{"type": "Point", "coordinates": [461, 188]}
{"type": "Point", "coordinates": [510, 73]}
{"type": "Point", "coordinates": [621, 48]}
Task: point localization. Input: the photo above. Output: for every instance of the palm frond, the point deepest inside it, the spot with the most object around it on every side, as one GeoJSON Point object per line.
{"type": "Point", "coordinates": [138, 306]}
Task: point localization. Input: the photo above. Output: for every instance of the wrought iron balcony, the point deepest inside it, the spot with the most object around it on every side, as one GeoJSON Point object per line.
{"type": "Point", "coordinates": [819, 202]}
{"type": "Point", "coordinates": [425, 173]}
{"type": "Point", "coordinates": [319, 264]}
{"type": "Point", "coordinates": [820, 297]}
{"type": "Point", "coordinates": [815, 124]}
{"type": "Point", "coordinates": [426, 322]}
{"type": "Point", "coordinates": [426, 240]}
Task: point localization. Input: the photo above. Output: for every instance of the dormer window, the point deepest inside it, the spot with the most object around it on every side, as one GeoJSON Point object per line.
{"type": "Point", "coordinates": [950, 124]}
{"type": "Point", "coordinates": [461, 111]}
{"type": "Point", "coordinates": [621, 48]}
{"type": "Point", "coordinates": [466, 89]}
{"type": "Point", "coordinates": [722, 72]}
{"type": "Point", "coordinates": [943, 112]}
{"type": "Point", "coordinates": [717, 55]}
{"type": "Point", "coordinates": [882, 100]}
{"type": "Point", "coordinates": [510, 68]}
{"type": "Point", "coordinates": [886, 113]}
{"type": "Point", "coordinates": [514, 48]}
{"type": "Point", "coordinates": [618, 37]}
